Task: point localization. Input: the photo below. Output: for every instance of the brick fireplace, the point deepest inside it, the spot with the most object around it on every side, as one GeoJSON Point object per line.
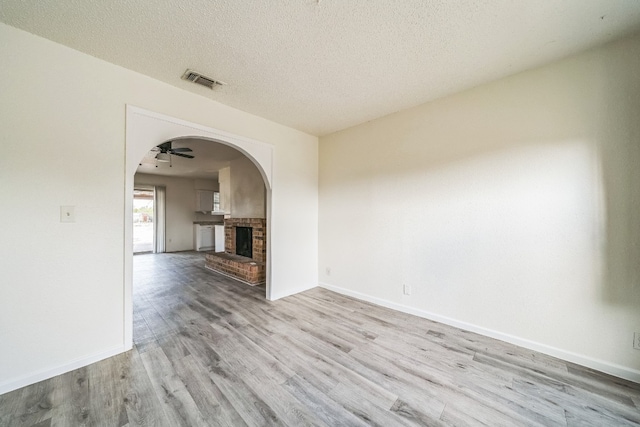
{"type": "Point", "coordinates": [258, 230]}
{"type": "Point", "coordinates": [250, 270]}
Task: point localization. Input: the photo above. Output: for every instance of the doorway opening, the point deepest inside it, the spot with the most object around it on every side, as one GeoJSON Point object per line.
{"type": "Point", "coordinates": [148, 219]}
{"type": "Point", "coordinates": [145, 130]}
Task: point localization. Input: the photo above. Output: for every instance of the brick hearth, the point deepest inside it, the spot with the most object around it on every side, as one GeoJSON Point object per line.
{"type": "Point", "coordinates": [250, 270]}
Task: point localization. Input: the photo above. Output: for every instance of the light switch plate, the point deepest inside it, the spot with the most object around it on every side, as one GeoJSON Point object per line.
{"type": "Point", "coordinates": [67, 214]}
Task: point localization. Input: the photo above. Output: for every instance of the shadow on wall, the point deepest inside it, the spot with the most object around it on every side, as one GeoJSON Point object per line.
{"type": "Point", "coordinates": [562, 213]}
{"type": "Point", "coordinates": [515, 218]}
{"type": "Point", "coordinates": [618, 136]}
{"type": "Point", "coordinates": [505, 224]}
{"type": "Point", "coordinates": [531, 183]}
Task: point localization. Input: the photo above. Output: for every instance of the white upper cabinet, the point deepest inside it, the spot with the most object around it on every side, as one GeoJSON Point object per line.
{"type": "Point", "coordinates": [207, 201]}
{"type": "Point", "coordinates": [204, 200]}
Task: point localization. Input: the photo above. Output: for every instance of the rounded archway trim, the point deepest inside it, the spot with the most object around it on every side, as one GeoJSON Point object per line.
{"type": "Point", "coordinates": [146, 129]}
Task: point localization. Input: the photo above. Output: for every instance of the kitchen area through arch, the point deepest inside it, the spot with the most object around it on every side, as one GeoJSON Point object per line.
{"type": "Point", "coordinates": [209, 204]}
{"type": "Point", "coordinates": [208, 235]}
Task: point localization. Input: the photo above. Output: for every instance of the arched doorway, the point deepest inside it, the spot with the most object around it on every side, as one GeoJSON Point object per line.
{"type": "Point", "coordinates": [146, 129]}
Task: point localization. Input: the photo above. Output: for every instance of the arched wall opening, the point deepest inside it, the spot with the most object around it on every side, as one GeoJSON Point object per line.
{"type": "Point", "coordinates": [146, 129]}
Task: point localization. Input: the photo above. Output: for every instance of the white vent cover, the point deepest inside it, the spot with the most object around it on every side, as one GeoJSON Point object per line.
{"type": "Point", "coordinates": [195, 77]}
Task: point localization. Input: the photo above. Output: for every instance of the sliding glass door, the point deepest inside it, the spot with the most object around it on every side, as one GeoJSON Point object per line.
{"type": "Point", "coordinates": [148, 220]}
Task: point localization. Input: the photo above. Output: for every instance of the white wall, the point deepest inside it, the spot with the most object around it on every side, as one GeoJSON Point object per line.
{"type": "Point", "coordinates": [206, 184]}
{"type": "Point", "coordinates": [224, 182]}
{"type": "Point", "coordinates": [511, 209]}
{"type": "Point", "coordinates": [62, 115]}
{"type": "Point", "coordinates": [247, 190]}
{"type": "Point", "coordinates": [179, 210]}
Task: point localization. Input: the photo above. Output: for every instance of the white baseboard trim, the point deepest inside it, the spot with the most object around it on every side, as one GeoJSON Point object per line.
{"type": "Point", "coordinates": [47, 373]}
{"type": "Point", "coordinates": [579, 359]}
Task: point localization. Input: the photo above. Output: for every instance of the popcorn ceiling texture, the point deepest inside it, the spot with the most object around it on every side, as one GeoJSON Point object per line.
{"type": "Point", "coordinates": [322, 66]}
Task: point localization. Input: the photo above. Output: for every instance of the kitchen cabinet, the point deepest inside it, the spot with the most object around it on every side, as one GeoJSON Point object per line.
{"type": "Point", "coordinates": [204, 200]}
{"type": "Point", "coordinates": [208, 237]}
{"type": "Point", "coordinates": [207, 201]}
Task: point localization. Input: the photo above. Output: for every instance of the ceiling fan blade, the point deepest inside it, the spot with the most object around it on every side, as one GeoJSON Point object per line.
{"type": "Point", "coordinates": [188, 156]}
{"type": "Point", "coordinates": [165, 146]}
{"type": "Point", "coordinates": [181, 150]}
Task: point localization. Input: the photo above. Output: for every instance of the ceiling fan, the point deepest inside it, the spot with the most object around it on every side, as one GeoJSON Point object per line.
{"type": "Point", "coordinates": [165, 152]}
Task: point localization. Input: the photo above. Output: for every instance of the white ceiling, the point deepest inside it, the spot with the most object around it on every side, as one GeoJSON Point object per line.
{"type": "Point", "coordinates": [324, 65]}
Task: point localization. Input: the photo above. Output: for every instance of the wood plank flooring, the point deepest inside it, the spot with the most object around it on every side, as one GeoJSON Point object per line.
{"type": "Point", "coordinates": [210, 351]}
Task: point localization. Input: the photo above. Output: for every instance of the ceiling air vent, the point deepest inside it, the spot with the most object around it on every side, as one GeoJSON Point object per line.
{"type": "Point", "coordinates": [195, 77]}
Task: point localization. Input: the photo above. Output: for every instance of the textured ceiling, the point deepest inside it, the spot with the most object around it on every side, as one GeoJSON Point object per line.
{"type": "Point", "coordinates": [324, 65]}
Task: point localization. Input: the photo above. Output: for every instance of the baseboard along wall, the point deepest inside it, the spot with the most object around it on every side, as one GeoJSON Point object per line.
{"type": "Point", "coordinates": [51, 372]}
{"type": "Point", "coordinates": [579, 359]}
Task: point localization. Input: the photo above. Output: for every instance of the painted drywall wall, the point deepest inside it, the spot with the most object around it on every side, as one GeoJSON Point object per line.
{"type": "Point", "coordinates": [510, 209]}
{"type": "Point", "coordinates": [247, 190]}
{"type": "Point", "coordinates": [224, 183]}
{"type": "Point", "coordinates": [206, 184]}
{"type": "Point", "coordinates": [179, 210]}
{"type": "Point", "coordinates": [61, 302]}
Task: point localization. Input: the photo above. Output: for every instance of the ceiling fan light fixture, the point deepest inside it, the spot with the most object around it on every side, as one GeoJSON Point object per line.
{"type": "Point", "coordinates": [163, 157]}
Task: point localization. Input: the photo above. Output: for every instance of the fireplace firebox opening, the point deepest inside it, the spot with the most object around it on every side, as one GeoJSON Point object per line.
{"type": "Point", "coordinates": [244, 242]}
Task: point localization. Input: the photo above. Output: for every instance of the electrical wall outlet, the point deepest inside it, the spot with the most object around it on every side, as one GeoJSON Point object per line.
{"type": "Point", "coordinates": [636, 340]}
{"type": "Point", "coordinates": [406, 289]}
{"type": "Point", "coordinates": [328, 271]}
{"type": "Point", "coordinates": [67, 214]}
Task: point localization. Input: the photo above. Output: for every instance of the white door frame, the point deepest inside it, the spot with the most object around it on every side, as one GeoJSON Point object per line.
{"type": "Point", "coordinates": [144, 130]}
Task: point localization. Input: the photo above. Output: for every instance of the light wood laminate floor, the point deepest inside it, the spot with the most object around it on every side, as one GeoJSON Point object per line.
{"type": "Point", "coordinates": [211, 351]}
